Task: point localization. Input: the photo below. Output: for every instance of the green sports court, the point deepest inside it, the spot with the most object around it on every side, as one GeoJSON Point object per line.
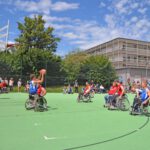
{"type": "Point", "coordinates": [69, 125]}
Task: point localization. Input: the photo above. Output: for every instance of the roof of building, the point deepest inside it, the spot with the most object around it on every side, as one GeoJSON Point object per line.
{"type": "Point", "coordinates": [119, 38]}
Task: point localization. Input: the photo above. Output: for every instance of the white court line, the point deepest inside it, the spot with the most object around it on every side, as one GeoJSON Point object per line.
{"type": "Point", "coordinates": [36, 124]}
{"type": "Point", "coordinates": [53, 138]}
{"type": "Point", "coordinates": [49, 138]}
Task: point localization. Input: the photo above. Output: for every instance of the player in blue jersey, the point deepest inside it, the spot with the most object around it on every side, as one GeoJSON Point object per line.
{"type": "Point", "coordinates": [34, 85]}
{"type": "Point", "coordinates": [142, 95]}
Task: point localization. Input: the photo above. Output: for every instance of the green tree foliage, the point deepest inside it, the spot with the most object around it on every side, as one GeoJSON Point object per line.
{"type": "Point", "coordinates": [36, 45]}
{"type": "Point", "coordinates": [72, 63]}
{"type": "Point", "coordinates": [5, 69]}
{"type": "Point", "coordinates": [99, 69]}
{"type": "Point", "coordinates": [82, 66]}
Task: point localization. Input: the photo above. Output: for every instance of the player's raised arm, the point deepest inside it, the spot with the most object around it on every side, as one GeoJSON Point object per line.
{"type": "Point", "coordinates": [41, 78]}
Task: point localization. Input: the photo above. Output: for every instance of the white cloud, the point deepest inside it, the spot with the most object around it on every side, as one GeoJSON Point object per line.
{"type": "Point", "coordinates": [55, 19]}
{"type": "Point", "coordinates": [134, 19]}
{"type": "Point", "coordinates": [125, 18]}
{"type": "Point", "coordinates": [61, 6]}
{"type": "Point", "coordinates": [41, 6]}
{"type": "Point", "coordinates": [110, 20]}
{"type": "Point", "coordinates": [129, 6]}
{"type": "Point", "coordinates": [60, 26]}
{"type": "Point", "coordinates": [142, 10]}
{"type": "Point", "coordinates": [6, 2]}
{"type": "Point", "coordinates": [102, 4]}
{"type": "Point", "coordinates": [121, 6]}
{"type": "Point", "coordinates": [70, 35]}
{"type": "Point", "coordinates": [87, 33]}
{"type": "Point", "coordinates": [134, 5]}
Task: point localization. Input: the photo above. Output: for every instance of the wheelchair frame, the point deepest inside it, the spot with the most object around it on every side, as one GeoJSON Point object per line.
{"type": "Point", "coordinates": [122, 104]}
{"type": "Point", "coordinates": [84, 98]}
{"type": "Point", "coordinates": [40, 105]}
{"type": "Point", "coordinates": [141, 109]}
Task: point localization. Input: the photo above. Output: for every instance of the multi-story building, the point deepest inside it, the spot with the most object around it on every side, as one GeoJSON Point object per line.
{"type": "Point", "coordinates": [131, 58]}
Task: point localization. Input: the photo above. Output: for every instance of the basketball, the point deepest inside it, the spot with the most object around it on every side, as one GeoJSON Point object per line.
{"type": "Point", "coordinates": [43, 71]}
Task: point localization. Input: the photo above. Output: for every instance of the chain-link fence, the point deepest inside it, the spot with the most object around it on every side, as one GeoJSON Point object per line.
{"type": "Point", "coordinates": [53, 77]}
{"type": "Point", "coordinates": [22, 71]}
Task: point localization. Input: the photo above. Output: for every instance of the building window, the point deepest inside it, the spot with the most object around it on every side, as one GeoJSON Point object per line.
{"type": "Point", "coordinates": [124, 58]}
{"type": "Point", "coordinates": [135, 58]}
{"type": "Point", "coordinates": [123, 47]}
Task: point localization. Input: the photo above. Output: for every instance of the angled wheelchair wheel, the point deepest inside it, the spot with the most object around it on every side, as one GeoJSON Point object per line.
{"type": "Point", "coordinates": [29, 104]}
{"type": "Point", "coordinates": [81, 98]}
{"type": "Point", "coordinates": [45, 103]}
{"type": "Point", "coordinates": [146, 111]}
{"type": "Point", "coordinates": [41, 105]}
{"type": "Point", "coordinates": [87, 98]}
{"type": "Point", "coordinates": [123, 104]}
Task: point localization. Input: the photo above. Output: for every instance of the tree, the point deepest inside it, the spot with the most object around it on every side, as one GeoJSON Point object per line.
{"type": "Point", "coordinates": [5, 69]}
{"type": "Point", "coordinates": [79, 65]}
{"type": "Point", "coordinates": [72, 63]}
{"type": "Point", "coordinates": [36, 45]}
{"type": "Point", "coordinates": [99, 69]}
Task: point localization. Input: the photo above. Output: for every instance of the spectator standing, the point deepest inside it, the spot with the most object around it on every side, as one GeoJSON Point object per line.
{"type": "Point", "coordinates": [27, 86]}
{"type": "Point", "coordinates": [19, 83]}
{"type": "Point", "coordinates": [11, 84]}
{"type": "Point", "coordinates": [0, 79]}
{"type": "Point", "coordinates": [76, 85]}
{"type": "Point", "coordinates": [1, 86]}
{"type": "Point", "coordinates": [6, 81]}
{"type": "Point", "coordinates": [65, 90]}
{"type": "Point", "coordinates": [70, 90]}
{"type": "Point", "coordinates": [4, 87]}
{"type": "Point", "coordinates": [102, 89]}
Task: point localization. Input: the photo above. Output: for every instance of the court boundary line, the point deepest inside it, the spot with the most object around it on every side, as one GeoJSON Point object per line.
{"type": "Point", "coordinates": [112, 139]}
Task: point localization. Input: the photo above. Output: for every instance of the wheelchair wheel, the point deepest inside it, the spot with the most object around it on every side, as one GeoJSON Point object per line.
{"type": "Point", "coordinates": [80, 97]}
{"type": "Point", "coordinates": [87, 98]}
{"type": "Point", "coordinates": [29, 104]}
{"type": "Point", "coordinates": [145, 111]}
{"type": "Point", "coordinates": [123, 104]}
{"type": "Point", "coordinates": [41, 105]}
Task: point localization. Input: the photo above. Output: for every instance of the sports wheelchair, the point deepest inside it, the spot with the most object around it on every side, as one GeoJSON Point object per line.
{"type": "Point", "coordinates": [140, 109]}
{"type": "Point", "coordinates": [122, 104]}
{"type": "Point", "coordinates": [38, 103]}
{"type": "Point", "coordinates": [84, 98]}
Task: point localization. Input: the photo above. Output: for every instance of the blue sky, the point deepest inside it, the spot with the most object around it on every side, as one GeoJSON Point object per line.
{"type": "Point", "coordinates": [82, 23]}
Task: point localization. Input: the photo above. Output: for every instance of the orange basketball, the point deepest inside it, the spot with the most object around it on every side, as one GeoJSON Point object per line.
{"type": "Point", "coordinates": [43, 71]}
